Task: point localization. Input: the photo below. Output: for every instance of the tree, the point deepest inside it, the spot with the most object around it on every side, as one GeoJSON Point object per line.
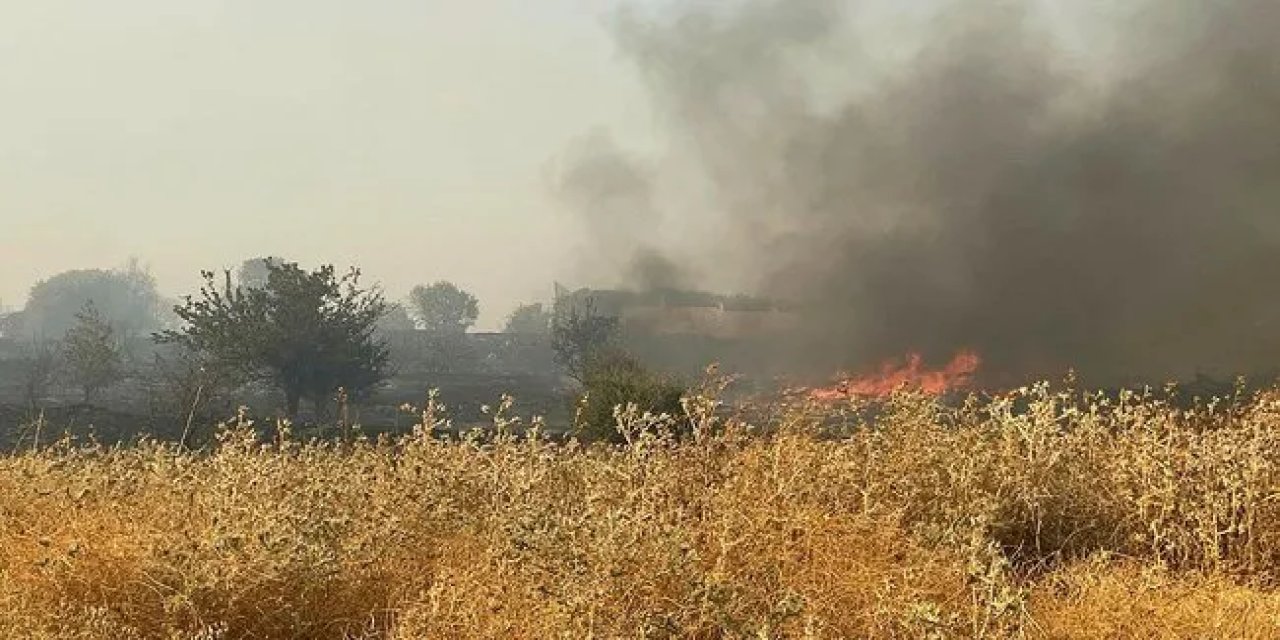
{"type": "Point", "coordinates": [530, 319]}
{"type": "Point", "coordinates": [92, 353]}
{"type": "Point", "coordinates": [12, 324]}
{"type": "Point", "coordinates": [188, 388]}
{"type": "Point", "coordinates": [126, 298]}
{"type": "Point", "coordinates": [578, 333]}
{"type": "Point", "coordinates": [38, 371]}
{"type": "Point", "coordinates": [444, 308]}
{"type": "Point", "coordinates": [308, 333]}
{"type": "Point", "coordinates": [395, 320]}
{"type": "Point", "coordinates": [253, 273]}
{"type": "Point", "coordinates": [613, 378]}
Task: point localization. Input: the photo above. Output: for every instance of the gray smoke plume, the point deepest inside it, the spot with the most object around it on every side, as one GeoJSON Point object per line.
{"type": "Point", "coordinates": [612, 194]}
{"type": "Point", "coordinates": [988, 192]}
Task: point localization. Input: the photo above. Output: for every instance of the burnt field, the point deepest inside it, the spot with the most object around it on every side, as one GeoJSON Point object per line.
{"type": "Point", "coordinates": [154, 398]}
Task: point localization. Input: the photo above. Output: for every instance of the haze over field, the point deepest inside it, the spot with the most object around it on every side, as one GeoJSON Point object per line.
{"type": "Point", "coordinates": [1050, 183]}
{"type": "Point", "coordinates": [413, 138]}
{"type": "Point", "coordinates": [409, 138]}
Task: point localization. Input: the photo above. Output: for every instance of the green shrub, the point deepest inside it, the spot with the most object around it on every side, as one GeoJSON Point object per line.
{"type": "Point", "coordinates": [613, 378]}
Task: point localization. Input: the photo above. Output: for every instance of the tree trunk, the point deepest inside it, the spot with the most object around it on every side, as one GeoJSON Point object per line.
{"type": "Point", "coordinates": [322, 409]}
{"type": "Point", "coordinates": [292, 399]}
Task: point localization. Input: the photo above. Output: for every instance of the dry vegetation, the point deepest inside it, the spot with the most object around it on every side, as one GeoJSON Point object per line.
{"type": "Point", "coordinates": [1040, 514]}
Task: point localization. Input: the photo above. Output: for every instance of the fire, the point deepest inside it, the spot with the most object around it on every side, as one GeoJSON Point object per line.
{"type": "Point", "coordinates": [912, 374]}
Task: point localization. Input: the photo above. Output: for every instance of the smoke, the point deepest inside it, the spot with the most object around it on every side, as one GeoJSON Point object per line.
{"type": "Point", "coordinates": [985, 189]}
{"type": "Point", "coordinates": [612, 195]}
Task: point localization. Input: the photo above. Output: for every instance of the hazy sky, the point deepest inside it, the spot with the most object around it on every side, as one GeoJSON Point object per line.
{"type": "Point", "coordinates": [410, 137]}
{"type": "Point", "coordinates": [413, 138]}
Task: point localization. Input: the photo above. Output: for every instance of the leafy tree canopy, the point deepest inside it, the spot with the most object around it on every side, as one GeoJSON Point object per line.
{"type": "Point", "coordinates": [308, 333]}
{"type": "Point", "coordinates": [444, 308]}
{"type": "Point", "coordinates": [579, 333]}
{"type": "Point", "coordinates": [530, 319]}
{"type": "Point", "coordinates": [92, 353]}
{"type": "Point", "coordinates": [396, 319]}
{"type": "Point", "coordinates": [126, 298]}
{"type": "Point", "coordinates": [253, 273]}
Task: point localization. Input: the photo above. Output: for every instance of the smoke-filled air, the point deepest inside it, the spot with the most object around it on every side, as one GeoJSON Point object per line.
{"type": "Point", "coordinates": [1100, 195]}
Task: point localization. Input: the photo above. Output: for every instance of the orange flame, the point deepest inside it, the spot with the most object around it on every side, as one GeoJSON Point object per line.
{"type": "Point", "coordinates": [892, 377]}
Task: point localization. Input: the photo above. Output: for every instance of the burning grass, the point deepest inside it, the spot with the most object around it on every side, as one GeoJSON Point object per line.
{"type": "Point", "coordinates": [1040, 513]}
{"type": "Point", "coordinates": [911, 375]}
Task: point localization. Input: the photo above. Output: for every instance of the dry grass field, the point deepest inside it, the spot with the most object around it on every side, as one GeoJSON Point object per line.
{"type": "Point", "coordinates": [1043, 514]}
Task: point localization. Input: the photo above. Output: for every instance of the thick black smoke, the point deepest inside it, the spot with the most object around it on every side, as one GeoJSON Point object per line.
{"type": "Point", "coordinates": [988, 193]}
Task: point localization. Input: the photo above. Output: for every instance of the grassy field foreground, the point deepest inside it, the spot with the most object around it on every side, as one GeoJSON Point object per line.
{"type": "Point", "coordinates": [1040, 514]}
